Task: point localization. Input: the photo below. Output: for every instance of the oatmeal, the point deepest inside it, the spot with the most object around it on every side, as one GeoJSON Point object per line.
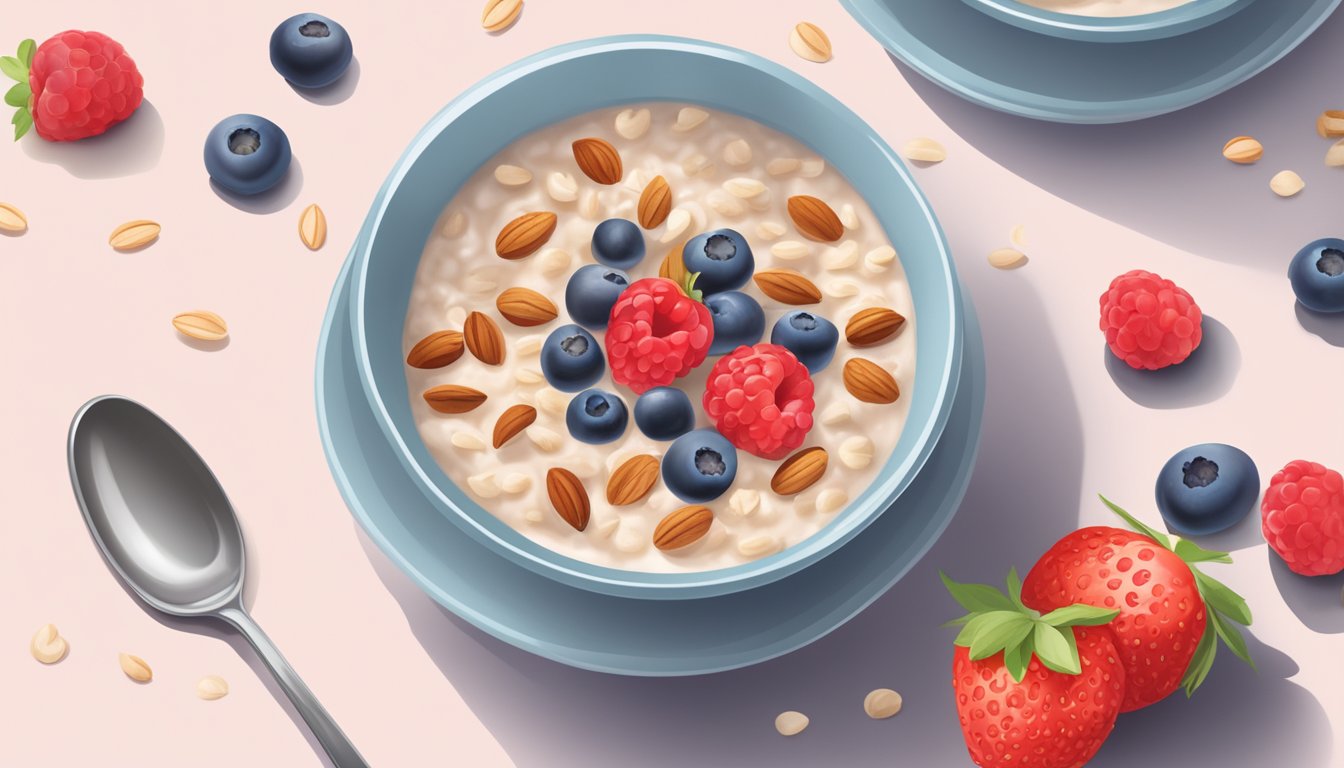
{"type": "Point", "coordinates": [594, 472]}
{"type": "Point", "coordinates": [1107, 7]}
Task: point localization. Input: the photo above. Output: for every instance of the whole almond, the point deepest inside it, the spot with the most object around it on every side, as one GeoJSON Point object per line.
{"type": "Point", "coordinates": [682, 527]}
{"type": "Point", "coordinates": [568, 497]}
{"type": "Point", "coordinates": [872, 326]}
{"type": "Point", "coordinates": [135, 668]}
{"type": "Point", "coordinates": [134, 234]}
{"type": "Point", "coordinates": [12, 219]}
{"type": "Point", "coordinates": [313, 227]}
{"type": "Point", "coordinates": [869, 382]}
{"type": "Point", "coordinates": [815, 219]}
{"type": "Point", "coordinates": [598, 160]}
{"type": "Point", "coordinates": [673, 267]}
{"type": "Point", "coordinates": [655, 202]}
{"type": "Point", "coordinates": [525, 307]}
{"type": "Point", "coordinates": [810, 42]}
{"type": "Point", "coordinates": [632, 480]}
{"type": "Point", "coordinates": [47, 645]}
{"type": "Point", "coordinates": [512, 422]}
{"type": "Point", "coordinates": [436, 350]}
{"type": "Point", "coordinates": [800, 471]}
{"type": "Point", "coordinates": [1243, 150]}
{"type": "Point", "coordinates": [200, 324]}
{"type": "Point", "coordinates": [498, 15]}
{"type": "Point", "coordinates": [787, 286]}
{"type": "Point", "coordinates": [484, 339]}
{"type": "Point", "coordinates": [453, 398]}
{"type": "Point", "coordinates": [525, 235]}
{"type": "Point", "coordinates": [1330, 124]}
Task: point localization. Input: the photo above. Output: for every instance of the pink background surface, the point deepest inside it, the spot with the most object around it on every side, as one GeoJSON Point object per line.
{"type": "Point", "coordinates": [413, 686]}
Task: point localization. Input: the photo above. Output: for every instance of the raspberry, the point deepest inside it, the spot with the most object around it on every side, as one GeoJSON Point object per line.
{"type": "Point", "coordinates": [1303, 518]}
{"type": "Point", "coordinates": [656, 334]}
{"type": "Point", "coordinates": [1149, 322]}
{"type": "Point", "coordinates": [760, 398]}
{"type": "Point", "coordinates": [82, 83]}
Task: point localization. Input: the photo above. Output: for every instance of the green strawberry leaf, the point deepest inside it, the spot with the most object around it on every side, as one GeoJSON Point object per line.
{"type": "Point", "coordinates": [1191, 552]}
{"type": "Point", "coordinates": [1202, 661]}
{"type": "Point", "coordinates": [957, 622]}
{"type": "Point", "coordinates": [26, 49]}
{"type": "Point", "coordinates": [1231, 637]}
{"type": "Point", "coordinates": [995, 631]}
{"type": "Point", "coordinates": [1016, 658]}
{"type": "Point", "coordinates": [1014, 585]}
{"type": "Point", "coordinates": [1222, 599]}
{"type": "Point", "coordinates": [18, 95]}
{"type": "Point", "coordinates": [977, 598]}
{"type": "Point", "coordinates": [1079, 615]}
{"type": "Point", "coordinates": [22, 121]}
{"type": "Point", "coordinates": [13, 69]}
{"type": "Point", "coordinates": [1155, 535]}
{"type": "Point", "coordinates": [1056, 648]}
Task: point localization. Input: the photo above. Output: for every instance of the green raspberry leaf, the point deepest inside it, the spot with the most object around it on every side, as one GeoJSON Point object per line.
{"type": "Point", "coordinates": [977, 598]}
{"type": "Point", "coordinates": [1202, 661]}
{"type": "Point", "coordinates": [1079, 615]}
{"type": "Point", "coordinates": [1191, 552]}
{"type": "Point", "coordinates": [1155, 535]}
{"type": "Point", "coordinates": [13, 69]}
{"type": "Point", "coordinates": [1057, 649]}
{"type": "Point", "coordinates": [688, 286]}
{"type": "Point", "coordinates": [1002, 629]}
{"type": "Point", "coordinates": [1015, 660]}
{"type": "Point", "coordinates": [22, 121]}
{"type": "Point", "coordinates": [26, 50]}
{"type": "Point", "coordinates": [18, 95]}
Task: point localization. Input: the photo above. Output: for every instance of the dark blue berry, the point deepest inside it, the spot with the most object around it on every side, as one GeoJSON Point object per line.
{"type": "Point", "coordinates": [596, 416]}
{"type": "Point", "coordinates": [664, 413]}
{"type": "Point", "coordinates": [1207, 488]}
{"type": "Point", "coordinates": [310, 50]}
{"type": "Point", "coordinates": [246, 154]}
{"type": "Point", "coordinates": [1317, 275]}
{"type": "Point", "coordinates": [571, 359]}
{"type": "Point", "coordinates": [722, 258]}
{"type": "Point", "coordinates": [618, 243]}
{"type": "Point", "coordinates": [699, 466]}
{"type": "Point", "coordinates": [738, 320]}
{"type": "Point", "coordinates": [591, 291]}
{"type": "Point", "coordinates": [811, 338]}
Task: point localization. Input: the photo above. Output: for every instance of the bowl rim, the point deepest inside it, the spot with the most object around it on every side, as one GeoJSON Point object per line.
{"type": "Point", "coordinates": [643, 584]}
{"type": "Point", "coordinates": [1171, 22]}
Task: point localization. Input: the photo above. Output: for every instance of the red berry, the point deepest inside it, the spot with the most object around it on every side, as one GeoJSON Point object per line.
{"type": "Point", "coordinates": [82, 84]}
{"type": "Point", "coordinates": [760, 398]}
{"type": "Point", "coordinates": [656, 334]}
{"type": "Point", "coordinates": [1303, 518]}
{"type": "Point", "coordinates": [1149, 322]}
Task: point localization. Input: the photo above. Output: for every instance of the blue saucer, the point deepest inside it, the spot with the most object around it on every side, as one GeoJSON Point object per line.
{"type": "Point", "coordinates": [1013, 70]}
{"type": "Point", "coordinates": [614, 634]}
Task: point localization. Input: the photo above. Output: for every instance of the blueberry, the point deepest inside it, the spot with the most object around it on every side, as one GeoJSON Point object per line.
{"type": "Point", "coordinates": [571, 359]}
{"type": "Point", "coordinates": [664, 413]}
{"type": "Point", "coordinates": [699, 466]}
{"type": "Point", "coordinates": [1207, 488]}
{"type": "Point", "coordinates": [246, 154]}
{"type": "Point", "coordinates": [722, 258]}
{"type": "Point", "coordinates": [591, 291]}
{"type": "Point", "coordinates": [596, 416]}
{"type": "Point", "coordinates": [310, 50]}
{"type": "Point", "coordinates": [618, 243]}
{"type": "Point", "coordinates": [738, 320]}
{"type": "Point", "coordinates": [1317, 275]}
{"type": "Point", "coordinates": [811, 338]}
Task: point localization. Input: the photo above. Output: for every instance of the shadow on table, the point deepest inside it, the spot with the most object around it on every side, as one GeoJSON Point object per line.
{"type": "Point", "coordinates": [1314, 600]}
{"type": "Point", "coordinates": [1330, 327]}
{"type": "Point", "coordinates": [333, 93]}
{"type": "Point", "coordinates": [1166, 177]}
{"type": "Point", "coordinates": [130, 147]}
{"type": "Point", "coordinates": [1204, 377]}
{"type": "Point", "coordinates": [1019, 500]}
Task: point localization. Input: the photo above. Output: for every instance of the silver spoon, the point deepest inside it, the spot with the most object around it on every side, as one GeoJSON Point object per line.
{"type": "Point", "coordinates": [165, 526]}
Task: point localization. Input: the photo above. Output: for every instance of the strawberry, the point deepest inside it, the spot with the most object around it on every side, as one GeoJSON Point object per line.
{"type": "Point", "coordinates": [1033, 690]}
{"type": "Point", "coordinates": [73, 86]}
{"type": "Point", "coordinates": [1170, 614]}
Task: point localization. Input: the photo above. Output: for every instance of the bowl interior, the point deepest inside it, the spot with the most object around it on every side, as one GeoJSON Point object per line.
{"type": "Point", "coordinates": [1116, 29]}
{"type": "Point", "coordinates": [591, 75]}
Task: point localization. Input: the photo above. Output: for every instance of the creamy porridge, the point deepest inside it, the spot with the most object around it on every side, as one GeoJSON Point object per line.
{"type": "Point", "coordinates": [1107, 7]}
{"type": "Point", "coordinates": [493, 278]}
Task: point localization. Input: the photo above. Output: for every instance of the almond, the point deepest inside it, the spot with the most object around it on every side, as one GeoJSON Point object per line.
{"type": "Point", "coordinates": [787, 286]}
{"type": "Point", "coordinates": [655, 202]}
{"type": "Point", "coordinates": [872, 326]}
{"type": "Point", "coordinates": [568, 496]}
{"type": "Point", "coordinates": [1243, 150]}
{"type": "Point", "coordinates": [598, 160]}
{"type": "Point", "coordinates": [133, 235]}
{"type": "Point", "coordinates": [498, 15]}
{"type": "Point", "coordinates": [815, 219]}
{"type": "Point", "coordinates": [436, 350]}
{"type": "Point", "coordinates": [453, 398]}
{"type": "Point", "coordinates": [525, 307]}
{"type": "Point", "coordinates": [525, 234]}
{"type": "Point", "coordinates": [512, 422]}
{"type": "Point", "coordinates": [1330, 124]}
{"type": "Point", "coordinates": [12, 219]}
{"type": "Point", "coordinates": [799, 471]}
{"type": "Point", "coordinates": [313, 227]}
{"type": "Point", "coordinates": [632, 480]}
{"type": "Point", "coordinates": [682, 527]}
{"type": "Point", "coordinates": [202, 325]}
{"type": "Point", "coordinates": [484, 339]}
{"type": "Point", "coordinates": [673, 268]}
{"type": "Point", "coordinates": [869, 382]}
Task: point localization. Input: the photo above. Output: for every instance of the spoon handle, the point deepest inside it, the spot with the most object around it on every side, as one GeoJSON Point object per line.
{"type": "Point", "coordinates": [342, 753]}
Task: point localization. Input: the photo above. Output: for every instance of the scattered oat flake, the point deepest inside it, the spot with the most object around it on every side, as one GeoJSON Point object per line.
{"type": "Point", "coordinates": [791, 723]}
{"type": "Point", "coordinates": [12, 219]}
{"type": "Point", "coordinates": [134, 234]}
{"type": "Point", "coordinates": [1007, 258]}
{"type": "Point", "coordinates": [47, 645]}
{"type": "Point", "coordinates": [499, 15]}
{"type": "Point", "coordinates": [1018, 236]}
{"type": "Point", "coordinates": [882, 703]}
{"type": "Point", "coordinates": [632, 124]}
{"type": "Point", "coordinates": [1286, 184]}
{"type": "Point", "coordinates": [925, 150]}
{"type": "Point", "coordinates": [211, 688]}
{"type": "Point", "coordinates": [512, 175]}
{"type": "Point", "coordinates": [810, 42]}
{"type": "Point", "coordinates": [201, 324]}
{"type": "Point", "coordinates": [313, 227]}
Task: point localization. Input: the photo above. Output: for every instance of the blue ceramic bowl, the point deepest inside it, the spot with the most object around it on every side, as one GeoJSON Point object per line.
{"type": "Point", "coordinates": [595, 74]}
{"type": "Point", "coordinates": [1117, 29]}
